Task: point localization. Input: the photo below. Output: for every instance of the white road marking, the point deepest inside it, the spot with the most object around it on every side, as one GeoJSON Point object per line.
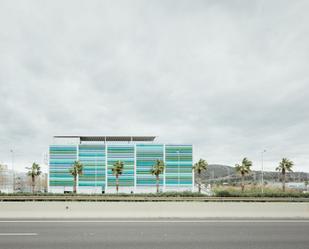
{"type": "Point", "coordinates": [160, 221]}
{"type": "Point", "coordinates": [18, 234]}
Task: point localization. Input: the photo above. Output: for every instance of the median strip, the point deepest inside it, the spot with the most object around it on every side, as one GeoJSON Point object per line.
{"type": "Point", "coordinates": [18, 234]}
{"type": "Point", "coordinates": [160, 221]}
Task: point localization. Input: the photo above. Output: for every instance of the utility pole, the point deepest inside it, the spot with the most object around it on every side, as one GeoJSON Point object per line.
{"type": "Point", "coordinates": [263, 170]}
{"type": "Point", "coordinates": [228, 175]}
{"type": "Point", "coordinates": [12, 154]}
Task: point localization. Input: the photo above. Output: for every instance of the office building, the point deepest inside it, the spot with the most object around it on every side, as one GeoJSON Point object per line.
{"type": "Point", "coordinates": [98, 154]}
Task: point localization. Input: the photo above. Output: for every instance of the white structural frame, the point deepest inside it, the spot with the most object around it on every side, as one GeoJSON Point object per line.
{"type": "Point", "coordinates": [178, 168]}
{"type": "Point", "coordinates": [193, 178]}
{"type": "Point", "coordinates": [77, 159]}
{"type": "Point", "coordinates": [96, 171]}
{"type": "Point", "coordinates": [106, 168]}
{"type": "Point", "coordinates": [48, 155]}
{"type": "Point", "coordinates": [164, 171]}
{"type": "Point", "coordinates": [135, 168]}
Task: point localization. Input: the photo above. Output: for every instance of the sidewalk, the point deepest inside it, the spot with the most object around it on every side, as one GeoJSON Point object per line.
{"type": "Point", "coordinates": [153, 210]}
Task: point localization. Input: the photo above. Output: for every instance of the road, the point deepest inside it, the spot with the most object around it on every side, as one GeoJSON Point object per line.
{"type": "Point", "coordinates": [154, 234]}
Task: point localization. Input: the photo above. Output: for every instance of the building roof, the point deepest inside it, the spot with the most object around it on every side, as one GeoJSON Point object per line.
{"type": "Point", "coordinates": [112, 138]}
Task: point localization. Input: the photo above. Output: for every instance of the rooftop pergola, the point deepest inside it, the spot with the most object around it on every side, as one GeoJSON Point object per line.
{"type": "Point", "coordinates": [111, 138]}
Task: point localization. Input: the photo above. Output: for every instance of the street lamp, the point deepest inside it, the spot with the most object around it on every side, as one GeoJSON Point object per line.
{"type": "Point", "coordinates": [178, 167]}
{"type": "Point", "coordinates": [262, 156]}
{"type": "Point", "coordinates": [228, 175]}
{"type": "Point", "coordinates": [12, 154]}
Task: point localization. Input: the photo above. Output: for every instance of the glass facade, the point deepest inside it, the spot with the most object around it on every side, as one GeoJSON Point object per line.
{"type": "Point", "coordinates": [124, 153]}
{"type": "Point", "coordinates": [93, 159]}
{"type": "Point", "coordinates": [138, 159]}
{"type": "Point", "coordinates": [146, 156]}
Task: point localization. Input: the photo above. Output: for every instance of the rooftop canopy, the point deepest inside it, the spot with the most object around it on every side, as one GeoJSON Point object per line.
{"type": "Point", "coordinates": [112, 138]}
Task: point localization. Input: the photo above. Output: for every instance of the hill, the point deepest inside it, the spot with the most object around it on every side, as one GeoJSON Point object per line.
{"type": "Point", "coordinates": [225, 173]}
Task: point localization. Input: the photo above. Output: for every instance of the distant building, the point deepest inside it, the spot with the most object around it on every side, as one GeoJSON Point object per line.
{"type": "Point", "coordinates": [98, 155]}
{"type": "Point", "coordinates": [6, 179]}
{"type": "Point", "coordinates": [290, 185]}
{"type": "Point", "coordinates": [23, 183]}
{"type": "Point", "coordinates": [296, 185]}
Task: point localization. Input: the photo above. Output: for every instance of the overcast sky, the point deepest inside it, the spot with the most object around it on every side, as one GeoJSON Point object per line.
{"type": "Point", "coordinates": [230, 77]}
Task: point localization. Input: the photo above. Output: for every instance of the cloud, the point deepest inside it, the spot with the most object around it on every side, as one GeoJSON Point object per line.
{"type": "Point", "coordinates": [230, 77]}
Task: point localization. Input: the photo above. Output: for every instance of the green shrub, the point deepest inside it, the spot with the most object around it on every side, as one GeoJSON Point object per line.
{"type": "Point", "coordinates": [273, 194]}
{"type": "Point", "coordinates": [223, 193]}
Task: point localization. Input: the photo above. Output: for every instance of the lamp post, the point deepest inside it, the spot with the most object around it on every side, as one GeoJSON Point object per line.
{"type": "Point", "coordinates": [178, 167]}
{"type": "Point", "coordinates": [262, 157]}
{"type": "Point", "coordinates": [228, 175]}
{"type": "Point", "coordinates": [12, 154]}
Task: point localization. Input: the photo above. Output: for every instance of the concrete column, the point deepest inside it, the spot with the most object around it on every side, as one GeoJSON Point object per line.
{"type": "Point", "coordinates": [106, 171]}
{"type": "Point", "coordinates": [134, 168]}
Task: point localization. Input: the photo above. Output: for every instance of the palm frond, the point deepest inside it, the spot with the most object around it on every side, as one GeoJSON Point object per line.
{"type": "Point", "coordinates": [244, 168]}
{"type": "Point", "coordinates": [285, 165]}
{"type": "Point", "coordinates": [118, 168]}
{"type": "Point", "coordinates": [34, 170]}
{"type": "Point", "coordinates": [200, 165]}
{"type": "Point", "coordinates": [157, 168]}
{"type": "Point", "coordinates": [77, 168]}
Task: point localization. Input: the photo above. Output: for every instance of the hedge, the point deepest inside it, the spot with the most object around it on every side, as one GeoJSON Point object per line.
{"type": "Point", "coordinates": [226, 193]}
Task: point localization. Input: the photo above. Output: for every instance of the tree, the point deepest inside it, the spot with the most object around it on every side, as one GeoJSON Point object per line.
{"type": "Point", "coordinates": [75, 171]}
{"type": "Point", "coordinates": [243, 169]}
{"type": "Point", "coordinates": [199, 167]}
{"type": "Point", "coordinates": [157, 169]}
{"type": "Point", "coordinates": [284, 166]}
{"type": "Point", "coordinates": [117, 171]}
{"type": "Point", "coordinates": [33, 171]}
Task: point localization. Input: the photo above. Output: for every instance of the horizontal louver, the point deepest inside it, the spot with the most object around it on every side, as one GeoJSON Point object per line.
{"type": "Point", "coordinates": [146, 156]}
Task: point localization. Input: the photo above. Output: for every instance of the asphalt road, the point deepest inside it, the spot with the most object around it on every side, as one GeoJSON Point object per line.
{"type": "Point", "coordinates": [155, 234]}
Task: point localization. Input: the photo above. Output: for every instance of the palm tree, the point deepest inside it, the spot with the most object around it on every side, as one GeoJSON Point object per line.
{"type": "Point", "coordinates": [200, 166]}
{"type": "Point", "coordinates": [157, 169]}
{"type": "Point", "coordinates": [243, 170]}
{"type": "Point", "coordinates": [75, 171]}
{"type": "Point", "coordinates": [117, 171]}
{"type": "Point", "coordinates": [33, 171]}
{"type": "Point", "coordinates": [284, 166]}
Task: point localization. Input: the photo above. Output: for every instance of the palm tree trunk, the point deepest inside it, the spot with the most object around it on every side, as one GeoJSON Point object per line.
{"type": "Point", "coordinates": [117, 183]}
{"type": "Point", "coordinates": [157, 183]}
{"type": "Point", "coordinates": [199, 182]}
{"type": "Point", "coordinates": [283, 182]}
{"type": "Point", "coordinates": [33, 183]}
{"type": "Point", "coordinates": [242, 183]}
{"type": "Point", "coordinates": [75, 183]}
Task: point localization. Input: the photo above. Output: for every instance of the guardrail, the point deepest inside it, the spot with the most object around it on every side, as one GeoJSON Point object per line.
{"type": "Point", "coordinates": [151, 199]}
